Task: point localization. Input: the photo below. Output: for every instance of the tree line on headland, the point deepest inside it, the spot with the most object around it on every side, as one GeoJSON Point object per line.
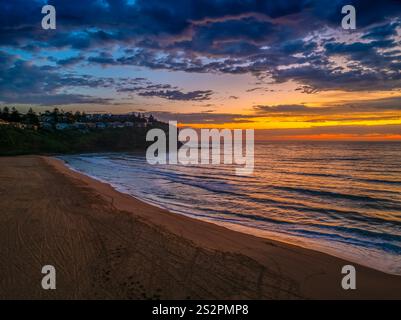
{"type": "Point", "coordinates": [59, 132]}
{"type": "Point", "coordinates": [14, 116]}
{"type": "Point", "coordinates": [59, 116]}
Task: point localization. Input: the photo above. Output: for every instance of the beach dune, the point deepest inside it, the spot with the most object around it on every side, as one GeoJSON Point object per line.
{"type": "Point", "coordinates": [108, 245]}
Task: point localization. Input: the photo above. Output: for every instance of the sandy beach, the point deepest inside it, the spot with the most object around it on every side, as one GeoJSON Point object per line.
{"type": "Point", "coordinates": [108, 245]}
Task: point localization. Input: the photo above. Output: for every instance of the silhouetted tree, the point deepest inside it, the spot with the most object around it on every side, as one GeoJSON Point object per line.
{"type": "Point", "coordinates": [77, 116]}
{"type": "Point", "coordinates": [83, 117]}
{"type": "Point", "coordinates": [15, 115]}
{"type": "Point", "coordinates": [56, 114]}
{"type": "Point", "coordinates": [69, 117]}
{"type": "Point", "coordinates": [31, 117]}
{"type": "Point", "coordinates": [5, 115]}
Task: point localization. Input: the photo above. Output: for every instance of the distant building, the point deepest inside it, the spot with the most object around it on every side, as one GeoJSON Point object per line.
{"type": "Point", "coordinates": [90, 125]}
{"type": "Point", "coordinates": [128, 124]}
{"type": "Point", "coordinates": [117, 125]}
{"type": "Point", "coordinates": [46, 125]}
{"type": "Point", "coordinates": [79, 126]}
{"type": "Point", "coordinates": [30, 126]}
{"type": "Point", "coordinates": [46, 119]}
{"type": "Point", "coordinates": [85, 121]}
{"type": "Point", "coordinates": [141, 124]}
{"type": "Point", "coordinates": [63, 126]}
{"type": "Point", "coordinates": [19, 125]}
{"type": "Point", "coordinates": [100, 125]}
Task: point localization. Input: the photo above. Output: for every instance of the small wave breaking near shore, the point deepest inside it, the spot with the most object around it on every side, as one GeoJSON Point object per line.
{"type": "Point", "coordinates": [342, 198]}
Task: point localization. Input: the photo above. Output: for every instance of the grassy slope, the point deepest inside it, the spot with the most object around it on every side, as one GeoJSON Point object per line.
{"type": "Point", "coordinates": [15, 141]}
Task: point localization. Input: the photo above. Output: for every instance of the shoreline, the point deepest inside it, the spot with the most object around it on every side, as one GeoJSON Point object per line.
{"type": "Point", "coordinates": [119, 247]}
{"type": "Point", "coordinates": [371, 263]}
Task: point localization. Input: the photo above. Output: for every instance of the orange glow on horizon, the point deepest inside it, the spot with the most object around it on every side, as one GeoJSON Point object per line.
{"type": "Point", "coordinates": [265, 123]}
{"type": "Point", "coordinates": [339, 137]}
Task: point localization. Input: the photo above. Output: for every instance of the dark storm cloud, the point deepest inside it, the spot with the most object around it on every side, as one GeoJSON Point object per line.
{"type": "Point", "coordinates": [69, 61]}
{"type": "Point", "coordinates": [369, 12]}
{"type": "Point", "coordinates": [93, 22]}
{"type": "Point", "coordinates": [208, 36]}
{"type": "Point", "coordinates": [24, 82]}
{"type": "Point", "coordinates": [55, 99]}
{"type": "Point", "coordinates": [145, 88]}
{"type": "Point", "coordinates": [197, 95]}
{"type": "Point", "coordinates": [102, 58]}
{"type": "Point", "coordinates": [317, 78]}
{"type": "Point", "coordinates": [382, 31]}
{"type": "Point", "coordinates": [230, 37]}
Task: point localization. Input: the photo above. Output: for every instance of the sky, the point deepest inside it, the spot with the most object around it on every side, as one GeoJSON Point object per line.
{"type": "Point", "coordinates": [284, 67]}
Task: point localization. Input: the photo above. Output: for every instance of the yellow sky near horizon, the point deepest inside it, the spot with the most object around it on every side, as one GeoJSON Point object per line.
{"type": "Point", "coordinates": [239, 95]}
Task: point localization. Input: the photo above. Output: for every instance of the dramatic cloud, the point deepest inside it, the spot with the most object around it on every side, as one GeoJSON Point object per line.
{"type": "Point", "coordinates": [178, 95]}
{"type": "Point", "coordinates": [145, 88]}
{"type": "Point", "coordinates": [376, 106]}
{"type": "Point", "coordinates": [280, 41]}
{"type": "Point", "coordinates": [370, 110]}
{"type": "Point", "coordinates": [23, 82]}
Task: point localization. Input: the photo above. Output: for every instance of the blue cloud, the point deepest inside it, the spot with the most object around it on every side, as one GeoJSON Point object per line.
{"type": "Point", "coordinates": [209, 36]}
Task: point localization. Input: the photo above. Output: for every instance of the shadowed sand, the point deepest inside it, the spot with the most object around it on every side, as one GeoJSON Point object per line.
{"type": "Point", "coordinates": [108, 245]}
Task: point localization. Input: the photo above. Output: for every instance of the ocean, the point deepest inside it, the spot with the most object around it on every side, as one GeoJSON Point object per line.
{"type": "Point", "coordinates": [341, 198]}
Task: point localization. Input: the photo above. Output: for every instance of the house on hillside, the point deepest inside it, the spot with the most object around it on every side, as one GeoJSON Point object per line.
{"type": "Point", "coordinates": [45, 118]}
{"type": "Point", "coordinates": [29, 126]}
{"type": "Point", "coordinates": [90, 125]}
{"type": "Point", "coordinates": [63, 126]}
{"type": "Point", "coordinates": [117, 125]}
{"type": "Point", "coordinates": [141, 124]}
{"type": "Point", "coordinates": [19, 125]}
{"type": "Point", "coordinates": [79, 126]}
{"type": "Point", "coordinates": [46, 125]}
{"type": "Point", "coordinates": [128, 124]}
{"type": "Point", "coordinates": [100, 125]}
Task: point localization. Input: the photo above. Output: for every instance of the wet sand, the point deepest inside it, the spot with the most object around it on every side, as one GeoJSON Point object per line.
{"type": "Point", "coordinates": [108, 245]}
